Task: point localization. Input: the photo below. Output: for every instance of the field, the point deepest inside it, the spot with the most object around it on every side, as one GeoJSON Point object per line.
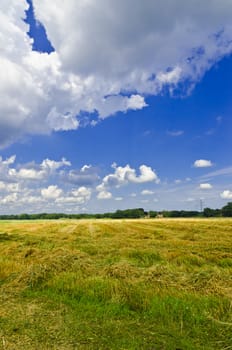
{"type": "Point", "coordinates": [125, 284]}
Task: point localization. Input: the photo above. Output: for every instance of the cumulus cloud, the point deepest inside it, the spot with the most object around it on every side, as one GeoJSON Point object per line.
{"type": "Point", "coordinates": [112, 104]}
{"type": "Point", "coordinates": [39, 187]}
{"type": "Point", "coordinates": [55, 185]}
{"type": "Point", "coordinates": [31, 183]}
{"type": "Point", "coordinates": [9, 187]}
{"type": "Point", "coordinates": [57, 121]}
{"type": "Point", "coordinates": [85, 168]}
{"type": "Point", "coordinates": [102, 61]}
{"type": "Point", "coordinates": [78, 196]}
{"type": "Point", "coordinates": [226, 194]}
{"type": "Point", "coordinates": [125, 175]}
{"type": "Point", "coordinates": [205, 186]}
{"type": "Point", "coordinates": [202, 163]}
{"type": "Point", "coordinates": [52, 192]}
{"type": "Point", "coordinates": [157, 36]}
{"type": "Point", "coordinates": [51, 165]}
{"type": "Point", "coordinates": [27, 174]}
{"type": "Point", "coordinates": [104, 195]}
{"type": "Point", "coordinates": [83, 194]}
{"type": "Point", "coordinates": [10, 198]}
{"type": "Point", "coordinates": [147, 193]}
{"type": "Point", "coordinates": [37, 172]}
{"type": "Point", "coordinates": [30, 200]}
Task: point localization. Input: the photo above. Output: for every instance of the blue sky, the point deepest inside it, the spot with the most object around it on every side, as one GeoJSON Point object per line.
{"type": "Point", "coordinates": [99, 114]}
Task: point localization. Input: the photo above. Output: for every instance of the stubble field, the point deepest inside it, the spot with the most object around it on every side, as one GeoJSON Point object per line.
{"type": "Point", "coordinates": [116, 284]}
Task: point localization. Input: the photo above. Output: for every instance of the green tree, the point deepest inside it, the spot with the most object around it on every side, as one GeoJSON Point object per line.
{"type": "Point", "coordinates": [227, 209]}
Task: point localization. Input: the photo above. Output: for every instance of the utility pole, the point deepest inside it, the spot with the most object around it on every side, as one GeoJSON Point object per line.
{"type": "Point", "coordinates": [201, 205]}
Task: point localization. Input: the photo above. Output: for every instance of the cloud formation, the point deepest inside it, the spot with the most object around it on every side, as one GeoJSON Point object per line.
{"type": "Point", "coordinates": [104, 195]}
{"type": "Point", "coordinates": [57, 186]}
{"type": "Point", "coordinates": [23, 184]}
{"type": "Point", "coordinates": [126, 175]}
{"type": "Point", "coordinates": [147, 193]}
{"type": "Point", "coordinates": [103, 63]}
{"type": "Point", "coordinates": [46, 187]}
{"type": "Point", "coordinates": [205, 186]}
{"type": "Point", "coordinates": [52, 192]}
{"type": "Point", "coordinates": [218, 173]}
{"type": "Point", "coordinates": [226, 194]}
{"type": "Point", "coordinates": [202, 163]}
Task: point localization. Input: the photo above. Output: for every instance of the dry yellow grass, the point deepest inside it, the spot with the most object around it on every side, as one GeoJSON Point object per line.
{"type": "Point", "coordinates": [160, 283]}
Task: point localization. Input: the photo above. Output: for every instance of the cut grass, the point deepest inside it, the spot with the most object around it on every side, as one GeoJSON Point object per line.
{"type": "Point", "coordinates": [126, 284]}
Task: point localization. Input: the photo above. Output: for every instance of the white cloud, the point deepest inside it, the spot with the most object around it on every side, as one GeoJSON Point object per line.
{"type": "Point", "coordinates": [160, 45]}
{"type": "Point", "coordinates": [205, 186]}
{"type": "Point", "coordinates": [147, 193]}
{"type": "Point", "coordinates": [42, 186]}
{"type": "Point", "coordinates": [226, 194]}
{"type": "Point", "coordinates": [31, 200]}
{"type": "Point", "coordinates": [104, 195]}
{"type": "Point", "coordinates": [202, 163]}
{"type": "Point", "coordinates": [37, 171]}
{"type": "Point", "coordinates": [58, 121]}
{"type": "Point", "coordinates": [68, 200]}
{"type": "Point", "coordinates": [9, 160]}
{"type": "Point", "coordinates": [52, 192]}
{"type": "Point", "coordinates": [86, 168]}
{"type": "Point", "coordinates": [51, 165]}
{"type": "Point", "coordinates": [78, 196]}
{"type": "Point", "coordinates": [147, 175]}
{"type": "Point", "coordinates": [125, 175]}
{"type": "Point", "coordinates": [10, 198]}
{"type": "Point", "coordinates": [112, 104]}
{"type": "Point", "coordinates": [9, 187]}
{"type": "Point", "coordinates": [82, 191]}
{"type": "Point", "coordinates": [118, 198]}
{"type": "Point", "coordinates": [157, 36]}
{"type": "Point", "coordinates": [171, 77]}
{"type": "Point", "coordinates": [27, 174]}
{"type": "Point", "coordinates": [82, 194]}
{"type": "Point", "coordinates": [175, 133]}
{"type": "Point", "coordinates": [136, 102]}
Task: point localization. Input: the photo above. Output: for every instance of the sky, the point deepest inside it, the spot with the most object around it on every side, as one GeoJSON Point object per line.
{"type": "Point", "coordinates": [110, 105]}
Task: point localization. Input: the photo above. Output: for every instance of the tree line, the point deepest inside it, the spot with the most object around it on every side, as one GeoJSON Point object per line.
{"type": "Point", "coordinates": [136, 213]}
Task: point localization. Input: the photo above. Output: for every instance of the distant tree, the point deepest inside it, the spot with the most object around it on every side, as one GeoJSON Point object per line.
{"type": "Point", "coordinates": [175, 214]}
{"type": "Point", "coordinates": [209, 213]}
{"type": "Point", "coordinates": [152, 214]}
{"type": "Point", "coordinates": [227, 209]}
{"type": "Point", "coordinates": [24, 216]}
{"type": "Point", "coordinates": [129, 214]}
{"type": "Point", "coordinates": [180, 214]}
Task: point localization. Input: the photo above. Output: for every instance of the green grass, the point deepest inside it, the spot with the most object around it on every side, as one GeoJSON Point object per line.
{"type": "Point", "coordinates": [123, 284]}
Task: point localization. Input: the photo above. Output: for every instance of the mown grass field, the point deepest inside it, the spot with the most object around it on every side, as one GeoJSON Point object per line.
{"type": "Point", "coordinates": [124, 284]}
